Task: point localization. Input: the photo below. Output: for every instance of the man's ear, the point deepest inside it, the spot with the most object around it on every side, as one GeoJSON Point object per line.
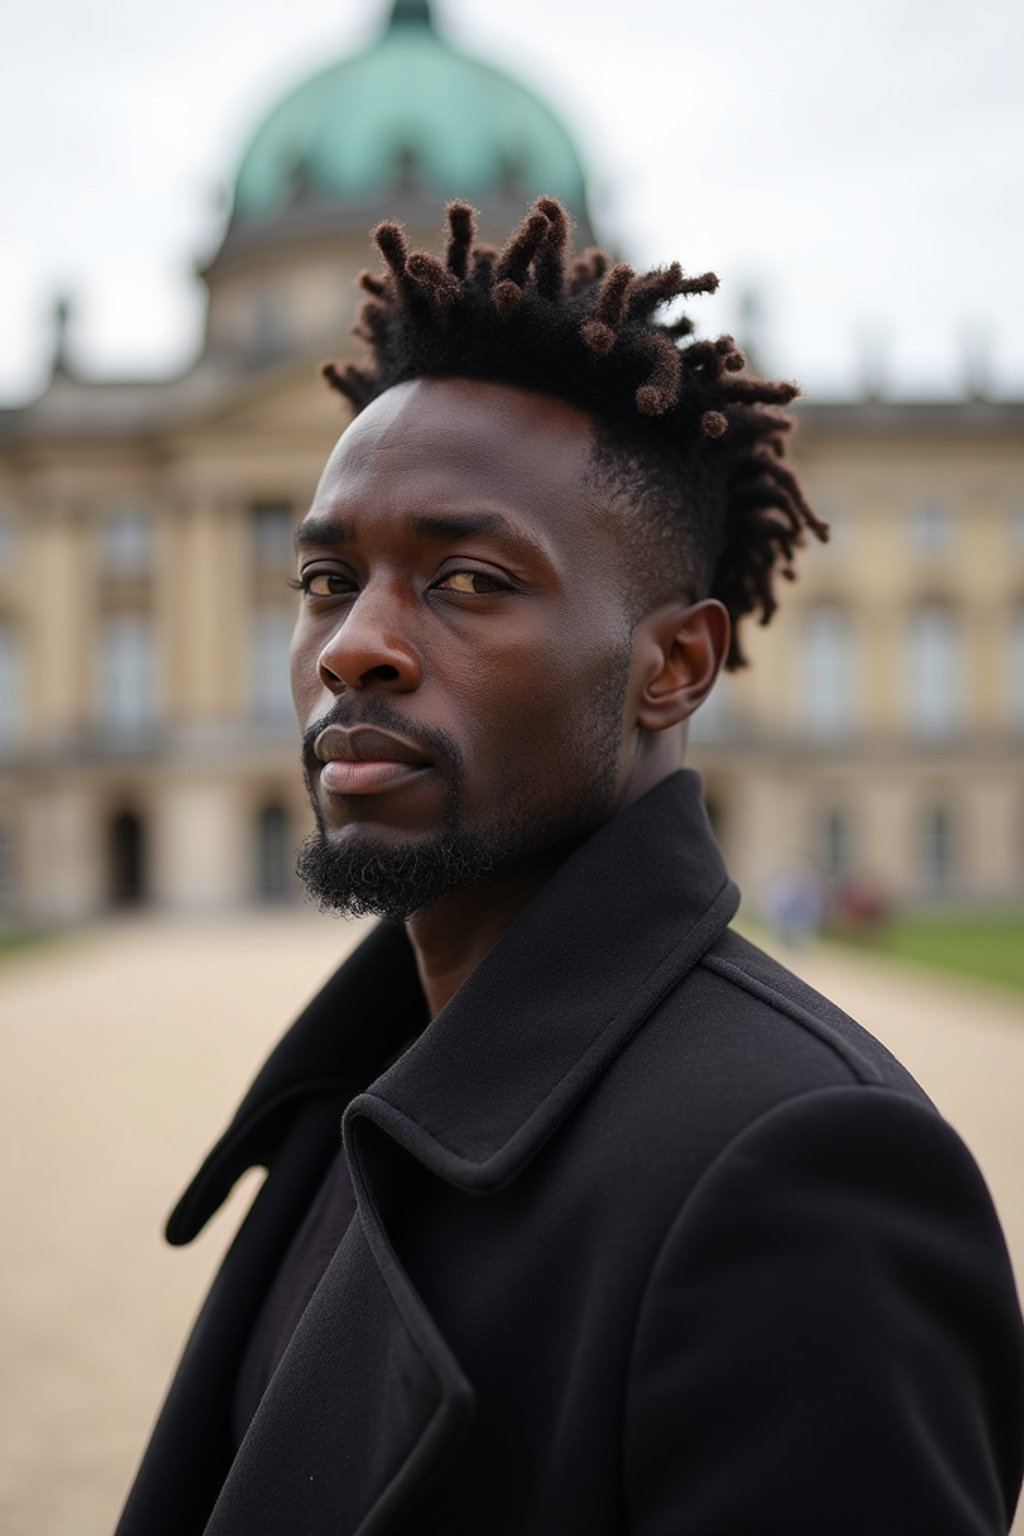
{"type": "Point", "coordinates": [680, 650]}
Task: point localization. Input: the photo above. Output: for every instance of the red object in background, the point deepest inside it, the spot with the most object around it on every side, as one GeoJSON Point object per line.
{"type": "Point", "coordinates": [858, 906]}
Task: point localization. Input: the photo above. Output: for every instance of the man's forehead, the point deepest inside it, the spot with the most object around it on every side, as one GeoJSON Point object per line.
{"type": "Point", "coordinates": [465, 430]}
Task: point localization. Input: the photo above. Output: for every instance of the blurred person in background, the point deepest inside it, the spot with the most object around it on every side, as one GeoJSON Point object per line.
{"type": "Point", "coordinates": [583, 1215]}
{"type": "Point", "coordinates": [794, 902]}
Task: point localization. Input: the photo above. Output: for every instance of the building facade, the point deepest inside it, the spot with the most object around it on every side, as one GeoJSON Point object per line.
{"type": "Point", "coordinates": [879, 732]}
{"type": "Point", "coordinates": [148, 753]}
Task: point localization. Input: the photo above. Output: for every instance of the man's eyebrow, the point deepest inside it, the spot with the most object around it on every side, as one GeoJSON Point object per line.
{"type": "Point", "coordinates": [326, 528]}
{"type": "Point", "coordinates": [322, 529]}
{"type": "Point", "coordinates": [467, 525]}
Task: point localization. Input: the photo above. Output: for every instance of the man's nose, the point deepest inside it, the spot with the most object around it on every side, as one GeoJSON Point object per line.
{"type": "Point", "coordinates": [368, 648]}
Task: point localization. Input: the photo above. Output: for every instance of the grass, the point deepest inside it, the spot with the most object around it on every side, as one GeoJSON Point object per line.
{"type": "Point", "coordinates": [989, 947]}
{"type": "Point", "coordinates": [18, 941]}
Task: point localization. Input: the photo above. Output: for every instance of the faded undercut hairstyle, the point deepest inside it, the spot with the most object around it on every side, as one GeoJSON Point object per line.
{"type": "Point", "coordinates": [687, 442]}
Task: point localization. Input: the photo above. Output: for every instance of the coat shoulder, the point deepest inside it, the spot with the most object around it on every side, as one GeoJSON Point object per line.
{"type": "Point", "coordinates": [738, 1037]}
{"type": "Point", "coordinates": [755, 990]}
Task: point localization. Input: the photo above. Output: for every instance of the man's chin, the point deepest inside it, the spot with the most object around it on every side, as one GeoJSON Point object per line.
{"type": "Point", "coordinates": [357, 873]}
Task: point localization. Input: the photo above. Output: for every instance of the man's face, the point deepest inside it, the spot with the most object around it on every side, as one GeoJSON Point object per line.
{"type": "Point", "coordinates": [461, 661]}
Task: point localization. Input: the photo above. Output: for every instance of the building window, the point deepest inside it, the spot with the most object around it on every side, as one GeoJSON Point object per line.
{"type": "Point", "coordinates": [8, 536]}
{"type": "Point", "coordinates": [1016, 668]}
{"type": "Point", "coordinates": [8, 872]}
{"type": "Point", "coordinates": [270, 536]}
{"type": "Point", "coordinates": [931, 527]}
{"type": "Point", "coordinates": [273, 854]}
{"type": "Point", "coordinates": [270, 691]}
{"type": "Point", "coordinates": [126, 702]}
{"type": "Point", "coordinates": [835, 844]}
{"type": "Point", "coordinates": [126, 860]}
{"type": "Point", "coordinates": [11, 686]}
{"type": "Point", "coordinates": [935, 672]}
{"type": "Point", "coordinates": [837, 515]}
{"type": "Point", "coordinates": [126, 541]}
{"type": "Point", "coordinates": [270, 323]}
{"type": "Point", "coordinates": [829, 701]}
{"type": "Point", "coordinates": [715, 719]}
{"type": "Point", "coordinates": [1017, 526]}
{"type": "Point", "coordinates": [938, 851]}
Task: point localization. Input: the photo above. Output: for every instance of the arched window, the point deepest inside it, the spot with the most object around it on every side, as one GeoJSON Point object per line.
{"type": "Point", "coordinates": [715, 719]}
{"type": "Point", "coordinates": [837, 515]}
{"type": "Point", "coordinates": [270, 323]}
{"type": "Point", "coordinates": [931, 527]}
{"type": "Point", "coordinates": [126, 675]}
{"type": "Point", "coordinates": [8, 536]}
{"type": "Point", "coordinates": [836, 851]}
{"type": "Point", "coordinates": [126, 860]}
{"type": "Point", "coordinates": [11, 686]}
{"type": "Point", "coordinates": [1016, 671]}
{"type": "Point", "coordinates": [934, 672]}
{"type": "Point", "coordinates": [270, 525]}
{"type": "Point", "coordinates": [1017, 526]}
{"type": "Point", "coordinates": [830, 689]}
{"type": "Point", "coordinates": [716, 812]}
{"type": "Point", "coordinates": [274, 855]}
{"type": "Point", "coordinates": [127, 540]}
{"type": "Point", "coordinates": [8, 871]}
{"type": "Point", "coordinates": [938, 849]}
{"type": "Point", "coordinates": [270, 691]}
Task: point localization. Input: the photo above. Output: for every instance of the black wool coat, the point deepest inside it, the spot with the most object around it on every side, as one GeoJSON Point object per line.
{"type": "Point", "coordinates": [651, 1239]}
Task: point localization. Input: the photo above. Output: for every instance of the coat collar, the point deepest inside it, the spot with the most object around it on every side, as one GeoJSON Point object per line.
{"type": "Point", "coordinates": [491, 1077]}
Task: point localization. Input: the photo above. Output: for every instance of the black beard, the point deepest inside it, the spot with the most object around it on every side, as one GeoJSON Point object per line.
{"type": "Point", "coordinates": [366, 876]}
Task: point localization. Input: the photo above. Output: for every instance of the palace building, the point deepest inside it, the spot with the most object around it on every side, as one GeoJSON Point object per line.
{"type": "Point", "coordinates": [879, 730]}
{"type": "Point", "coordinates": [148, 754]}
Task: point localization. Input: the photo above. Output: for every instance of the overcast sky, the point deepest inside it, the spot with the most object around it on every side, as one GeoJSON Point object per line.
{"type": "Point", "coordinates": [860, 161]}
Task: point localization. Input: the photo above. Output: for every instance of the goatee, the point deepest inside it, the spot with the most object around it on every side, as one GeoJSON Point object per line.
{"type": "Point", "coordinates": [362, 875]}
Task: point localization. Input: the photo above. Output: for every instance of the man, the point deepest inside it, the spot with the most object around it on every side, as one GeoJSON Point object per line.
{"type": "Point", "coordinates": [630, 1231]}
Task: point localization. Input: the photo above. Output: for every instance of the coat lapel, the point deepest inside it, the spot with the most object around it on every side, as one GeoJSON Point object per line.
{"type": "Point", "coordinates": [190, 1450]}
{"type": "Point", "coordinates": [367, 1402]}
{"type": "Point", "coordinates": [369, 1399]}
{"type": "Point", "coordinates": [289, 1122]}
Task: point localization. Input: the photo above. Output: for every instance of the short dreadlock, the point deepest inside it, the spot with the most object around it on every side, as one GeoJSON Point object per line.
{"type": "Point", "coordinates": [684, 436]}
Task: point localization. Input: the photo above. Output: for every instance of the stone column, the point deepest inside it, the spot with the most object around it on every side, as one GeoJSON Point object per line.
{"type": "Point", "coordinates": [201, 845]}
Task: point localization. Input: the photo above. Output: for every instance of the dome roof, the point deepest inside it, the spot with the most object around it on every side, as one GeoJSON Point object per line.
{"type": "Point", "coordinates": [408, 112]}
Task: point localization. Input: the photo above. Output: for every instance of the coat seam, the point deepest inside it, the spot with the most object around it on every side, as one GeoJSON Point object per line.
{"type": "Point", "coordinates": [850, 1057]}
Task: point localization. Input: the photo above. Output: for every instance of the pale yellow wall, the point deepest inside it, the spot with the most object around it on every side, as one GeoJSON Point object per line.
{"type": "Point", "coordinates": [60, 832]}
{"type": "Point", "coordinates": [875, 572]}
{"type": "Point", "coordinates": [314, 283]}
{"type": "Point", "coordinates": [201, 848]}
{"type": "Point", "coordinates": [315, 291]}
{"type": "Point", "coordinates": [59, 617]}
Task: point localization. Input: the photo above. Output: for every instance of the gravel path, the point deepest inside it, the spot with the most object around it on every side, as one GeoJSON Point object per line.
{"type": "Point", "coordinates": [123, 1051]}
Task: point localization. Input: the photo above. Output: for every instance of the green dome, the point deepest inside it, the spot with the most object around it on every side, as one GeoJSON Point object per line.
{"type": "Point", "coordinates": [409, 111]}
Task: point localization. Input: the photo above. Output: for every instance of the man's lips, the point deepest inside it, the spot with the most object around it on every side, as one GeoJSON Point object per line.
{"type": "Point", "coordinates": [361, 760]}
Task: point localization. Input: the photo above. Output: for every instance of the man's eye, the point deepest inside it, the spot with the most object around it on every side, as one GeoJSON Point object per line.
{"type": "Point", "coordinates": [322, 584]}
{"type": "Point", "coordinates": [475, 583]}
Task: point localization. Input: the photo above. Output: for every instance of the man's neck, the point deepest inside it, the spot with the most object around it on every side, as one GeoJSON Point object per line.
{"type": "Point", "coordinates": [452, 937]}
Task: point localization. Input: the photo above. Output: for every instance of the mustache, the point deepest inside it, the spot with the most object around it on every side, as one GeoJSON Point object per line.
{"type": "Point", "coordinates": [376, 709]}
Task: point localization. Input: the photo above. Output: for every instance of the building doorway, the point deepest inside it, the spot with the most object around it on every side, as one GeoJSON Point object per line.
{"type": "Point", "coordinates": [126, 860]}
{"type": "Point", "coordinates": [8, 872]}
{"type": "Point", "coordinates": [274, 855]}
{"type": "Point", "coordinates": [715, 810]}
